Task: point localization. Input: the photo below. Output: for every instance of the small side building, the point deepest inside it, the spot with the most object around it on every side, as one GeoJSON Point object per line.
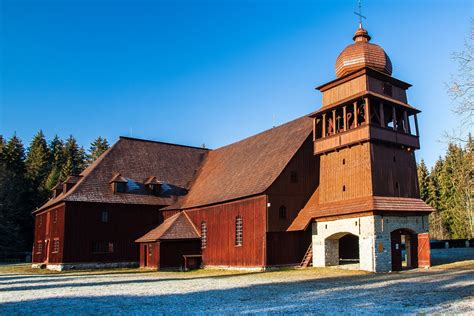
{"type": "Point", "coordinates": [166, 246]}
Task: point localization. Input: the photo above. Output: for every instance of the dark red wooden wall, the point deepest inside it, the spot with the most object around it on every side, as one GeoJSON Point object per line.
{"type": "Point", "coordinates": [287, 248]}
{"type": "Point", "coordinates": [221, 249]}
{"type": "Point", "coordinates": [49, 226]}
{"type": "Point", "coordinates": [149, 255]}
{"type": "Point", "coordinates": [126, 224]}
{"type": "Point", "coordinates": [171, 252]}
{"type": "Point", "coordinates": [293, 195]}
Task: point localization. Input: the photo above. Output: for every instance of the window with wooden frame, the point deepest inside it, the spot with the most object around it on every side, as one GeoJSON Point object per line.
{"type": "Point", "coordinates": [238, 231]}
{"type": "Point", "coordinates": [203, 235]}
{"type": "Point", "coordinates": [56, 245]}
{"type": "Point", "coordinates": [282, 212]}
{"type": "Point", "coordinates": [40, 220]}
{"type": "Point", "coordinates": [39, 247]}
{"type": "Point", "coordinates": [119, 187]}
{"type": "Point", "coordinates": [104, 217]}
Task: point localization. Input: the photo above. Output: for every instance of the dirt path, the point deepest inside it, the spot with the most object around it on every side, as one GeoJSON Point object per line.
{"type": "Point", "coordinates": [446, 289]}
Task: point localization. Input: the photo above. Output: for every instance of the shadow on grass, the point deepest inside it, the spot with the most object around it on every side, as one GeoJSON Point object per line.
{"type": "Point", "coordinates": [399, 293]}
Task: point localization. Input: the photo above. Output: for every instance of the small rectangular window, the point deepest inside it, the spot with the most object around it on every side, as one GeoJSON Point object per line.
{"type": "Point", "coordinates": [105, 217]}
{"type": "Point", "coordinates": [40, 220]}
{"type": "Point", "coordinates": [119, 187]}
{"type": "Point", "coordinates": [56, 245]}
{"type": "Point", "coordinates": [55, 216]}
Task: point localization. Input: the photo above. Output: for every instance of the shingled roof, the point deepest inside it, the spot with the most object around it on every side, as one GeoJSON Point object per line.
{"type": "Point", "coordinates": [178, 226]}
{"type": "Point", "coordinates": [136, 160]}
{"type": "Point", "coordinates": [247, 167]}
{"type": "Point", "coordinates": [357, 205]}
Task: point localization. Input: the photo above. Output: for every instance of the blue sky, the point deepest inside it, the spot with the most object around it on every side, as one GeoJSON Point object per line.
{"type": "Point", "coordinates": [209, 72]}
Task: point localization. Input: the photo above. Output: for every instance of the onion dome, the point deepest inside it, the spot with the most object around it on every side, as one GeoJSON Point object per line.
{"type": "Point", "coordinates": [362, 54]}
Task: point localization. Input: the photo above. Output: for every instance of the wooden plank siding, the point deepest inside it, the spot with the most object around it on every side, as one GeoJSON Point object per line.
{"type": "Point", "coordinates": [289, 194]}
{"type": "Point", "coordinates": [172, 251]}
{"type": "Point", "coordinates": [220, 219]}
{"type": "Point", "coordinates": [392, 165]}
{"type": "Point", "coordinates": [126, 223]}
{"type": "Point", "coordinates": [287, 248]}
{"type": "Point", "coordinates": [149, 255]}
{"type": "Point", "coordinates": [345, 174]}
{"type": "Point", "coordinates": [49, 226]}
{"type": "Point", "coordinates": [344, 90]}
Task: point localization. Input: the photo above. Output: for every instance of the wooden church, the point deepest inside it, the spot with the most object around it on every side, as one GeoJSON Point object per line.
{"type": "Point", "coordinates": [338, 186]}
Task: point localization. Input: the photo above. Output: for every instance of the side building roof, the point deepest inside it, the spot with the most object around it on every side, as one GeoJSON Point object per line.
{"type": "Point", "coordinates": [247, 167]}
{"type": "Point", "coordinates": [136, 160]}
{"type": "Point", "coordinates": [177, 227]}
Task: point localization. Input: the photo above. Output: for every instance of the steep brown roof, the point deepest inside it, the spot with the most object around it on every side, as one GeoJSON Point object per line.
{"type": "Point", "coordinates": [136, 160]}
{"type": "Point", "coordinates": [247, 167]}
{"type": "Point", "coordinates": [178, 226]}
{"type": "Point", "coordinates": [369, 203]}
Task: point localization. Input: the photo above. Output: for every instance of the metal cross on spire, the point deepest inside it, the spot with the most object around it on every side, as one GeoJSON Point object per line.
{"type": "Point", "coordinates": [359, 14]}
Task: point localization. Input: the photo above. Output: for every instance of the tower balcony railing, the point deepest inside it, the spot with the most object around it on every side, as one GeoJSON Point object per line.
{"type": "Point", "coordinates": [365, 133]}
{"type": "Point", "coordinates": [365, 119]}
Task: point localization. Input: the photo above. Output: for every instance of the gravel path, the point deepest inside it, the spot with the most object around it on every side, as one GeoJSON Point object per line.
{"type": "Point", "coordinates": [445, 289]}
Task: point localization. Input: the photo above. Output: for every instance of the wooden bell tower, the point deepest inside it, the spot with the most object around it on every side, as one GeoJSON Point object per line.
{"type": "Point", "coordinates": [365, 135]}
{"type": "Point", "coordinates": [365, 132]}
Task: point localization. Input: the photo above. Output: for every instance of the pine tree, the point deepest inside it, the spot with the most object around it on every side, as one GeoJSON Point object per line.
{"type": "Point", "coordinates": [75, 159]}
{"type": "Point", "coordinates": [38, 162]}
{"type": "Point", "coordinates": [423, 180]}
{"type": "Point", "coordinates": [13, 156]}
{"type": "Point", "coordinates": [2, 143]}
{"type": "Point", "coordinates": [453, 184]}
{"type": "Point", "coordinates": [437, 225]}
{"type": "Point", "coordinates": [97, 148]}
{"type": "Point", "coordinates": [468, 183]}
{"type": "Point", "coordinates": [57, 155]}
{"type": "Point", "coordinates": [15, 202]}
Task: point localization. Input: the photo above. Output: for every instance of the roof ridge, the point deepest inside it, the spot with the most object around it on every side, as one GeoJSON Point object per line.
{"type": "Point", "coordinates": [162, 143]}
{"type": "Point", "coordinates": [263, 132]}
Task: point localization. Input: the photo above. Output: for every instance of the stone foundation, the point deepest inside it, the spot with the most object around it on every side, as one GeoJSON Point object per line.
{"type": "Point", "coordinates": [85, 266]}
{"type": "Point", "coordinates": [374, 239]}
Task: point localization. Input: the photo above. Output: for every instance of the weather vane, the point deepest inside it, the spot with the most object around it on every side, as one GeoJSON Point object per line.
{"type": "Point", "coordinates": [359, 14]}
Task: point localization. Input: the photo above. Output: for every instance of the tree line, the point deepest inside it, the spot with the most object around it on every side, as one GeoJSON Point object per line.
{"type": "Point", "coordinates": [448, 188]}
{"type": "Point", "coordinates": [27, 176]}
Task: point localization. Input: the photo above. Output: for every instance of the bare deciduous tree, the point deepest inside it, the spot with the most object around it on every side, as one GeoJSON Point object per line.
{"type": "Point", "coordinates": [461, 87]}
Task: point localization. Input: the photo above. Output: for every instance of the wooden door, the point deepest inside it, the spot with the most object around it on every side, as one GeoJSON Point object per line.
{"type": "Point", "coordinates": [46, 249]}
{"type": "Point", "coordinates": [424, 252]}
{"type": "Point", "coordinates": [413, 251]}
{"type": "Point", "coordinates": [396, 246]}
{"type": "Point", "coordinates": [145, 255]}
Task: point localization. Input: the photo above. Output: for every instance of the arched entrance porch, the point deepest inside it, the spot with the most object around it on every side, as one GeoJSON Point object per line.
{"type": "Point", "coordinates": [342, 249]}
{"type": "Point", "coordinates": [404, 249]}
